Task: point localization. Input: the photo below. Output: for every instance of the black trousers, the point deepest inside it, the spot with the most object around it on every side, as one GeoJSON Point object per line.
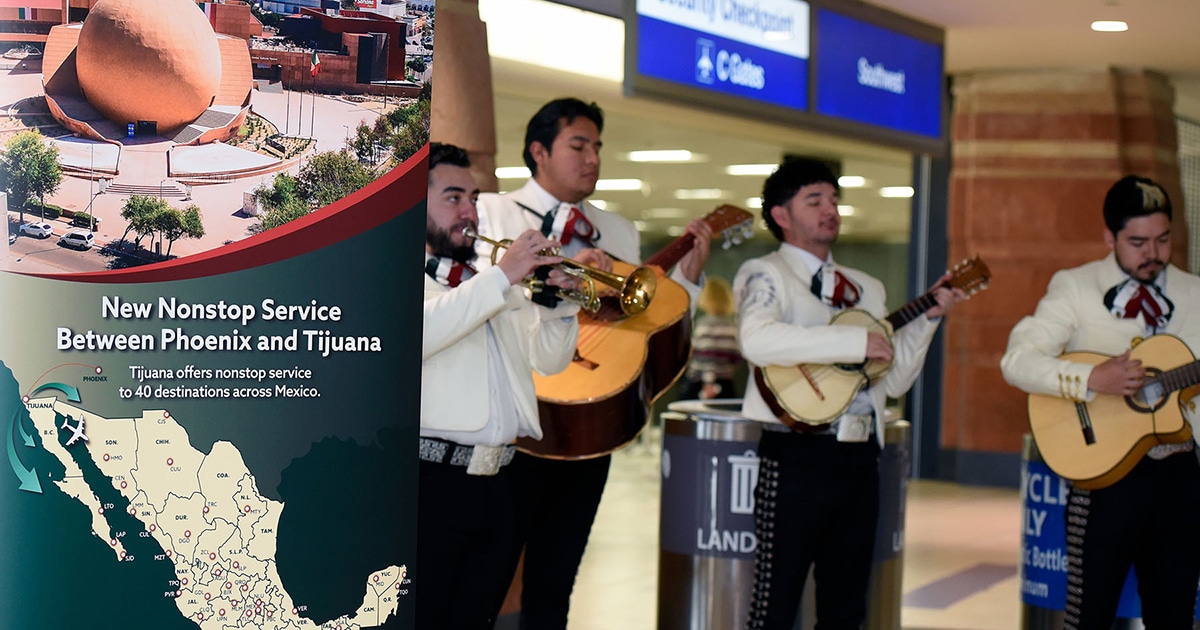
{"type": "Point", "coordinates": [556, 505]}
{"type": "Point", "coordinates": [1149, 520]}
{"type": "Point", "coordinates": [816, 505]}
{"type": "Point", "coordinates": [466, 525]}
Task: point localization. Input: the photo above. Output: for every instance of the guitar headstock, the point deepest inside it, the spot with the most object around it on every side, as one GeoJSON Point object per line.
{"type": "Point", "coordinates": [971, 275]}
{"type": "Point", "coordinates": [734, 224]}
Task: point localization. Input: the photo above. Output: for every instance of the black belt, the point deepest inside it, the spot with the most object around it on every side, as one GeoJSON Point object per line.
{"type": "Point", "coordinates": [479, 460]}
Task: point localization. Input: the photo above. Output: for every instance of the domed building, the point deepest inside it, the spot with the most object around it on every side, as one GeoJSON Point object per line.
{"type": "Point", "coordinates": [147, 67]}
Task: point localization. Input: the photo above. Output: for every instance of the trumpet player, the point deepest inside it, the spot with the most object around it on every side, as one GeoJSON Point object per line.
{"type": "Point", "coordinates": [481, 343]}
{"type": "Point", "coordinates": [559, 498]}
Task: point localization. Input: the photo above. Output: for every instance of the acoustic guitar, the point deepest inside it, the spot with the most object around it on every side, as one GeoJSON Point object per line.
{"type": "Point", "coordinates": [810, 395]}
{"type": "Point", "coordinates": [1096, 443]}
{"type": "Point", "coordinates": [623, 363]}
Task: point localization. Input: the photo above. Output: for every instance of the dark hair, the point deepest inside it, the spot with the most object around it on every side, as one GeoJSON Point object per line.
{"type": "Point", "coordinates": [1133, 197]}
{"type": "Point", "coordinates": [447, 154]}
{"type": "Point", "coordinates": [786, 181]}
{"type": "Point", "coordinates": [551, 118]}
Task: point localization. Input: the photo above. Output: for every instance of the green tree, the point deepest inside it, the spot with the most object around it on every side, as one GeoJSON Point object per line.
{"type": "Point", "coordinates": [331, 175]}
{"type": "Point", "coordinates": [29, 168]}
{"type": "Point", "coordinates": [416, 64]}
{"type": "Point", "coordinates": [141, 214]}
{"type": "Point", "coordinates": [283, 201]}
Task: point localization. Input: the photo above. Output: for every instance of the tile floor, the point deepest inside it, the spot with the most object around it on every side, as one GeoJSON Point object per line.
{"type": "Point", "coordinates": [959, 566]}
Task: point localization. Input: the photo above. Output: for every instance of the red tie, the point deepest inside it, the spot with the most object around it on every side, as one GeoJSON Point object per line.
{"type": "Point", "coordinates": [845, 294]}
{"type": "Point", "coordinates": [1143, 304]}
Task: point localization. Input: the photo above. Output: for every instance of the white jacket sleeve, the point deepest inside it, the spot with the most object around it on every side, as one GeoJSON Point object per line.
{"type": "Point", "coordinates": [1031, 361]}
{"type": "Point", "coordinates": [450, 316]}
{"type": "Point", "coordinates": [911, 344]}
{"type": "Point", "coordinates": [555, 333]}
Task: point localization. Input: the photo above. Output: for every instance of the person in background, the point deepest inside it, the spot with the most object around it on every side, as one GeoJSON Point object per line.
{"type": "Point", "coordinates": [715, 354]}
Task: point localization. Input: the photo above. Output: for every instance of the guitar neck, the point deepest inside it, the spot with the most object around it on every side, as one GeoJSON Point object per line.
{"type": "Point", "coordinates": [1181, 377]}
{"type": "Point", "coordinates": [911, 311]}
{"type": "Point", "coordinates": [667, 257]}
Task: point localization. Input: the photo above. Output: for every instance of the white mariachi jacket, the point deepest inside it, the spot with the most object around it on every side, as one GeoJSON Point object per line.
{"type": "Point", "coordinates": [1072, 317]}
{"type": "Point", "coordinates": [780, 322]}
{"type": "Point", "coordinates": [454, 350]}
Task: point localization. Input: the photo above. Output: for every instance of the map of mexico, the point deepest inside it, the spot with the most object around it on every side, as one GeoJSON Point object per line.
{"type": "Point", "coordinates": [204, 512]}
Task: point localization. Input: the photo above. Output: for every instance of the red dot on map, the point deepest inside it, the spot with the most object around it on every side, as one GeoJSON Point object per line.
{"type": "Point", "coordinates": [153, 527]}
{"type": "Point", "coordinates": [170, 461]}
{"type": "Point", "coordinates": [168, 553]}
{"type": "Point", "coordinates": [178, 593]}
{"type": "Point", "coordinates": [123, 554]}
{"type": "Point", "coordinates": [207, 596]}
{"type": "Point", "coordinates": [106, 457]}
{"type": "Point", "coordinates": [206, 509]}
{"type": "Point", "coordinates": [99, 369]}
{"type": "Point", "coordinates": [249, 613]}
{"type": "Point", "coordinates": [200, 616]}
{"type": "Point", "coordinates": [295, 610]}
{"type": "Point", "coordinates": [221, 612]}
{"type": "Point", "coordinates": [217, 572]}
{"type": "Point", "coordinates": [375, 578]}
{"type": "Point", "coordinates": [228, 586]}
{"type": "Point", "coordinates": [245, 587]}
{"type": "Point", "coordinates": [247, 509]}
{"type": "Point", "coordinates": [258, 602]}
{"type": "Point", "coordinates": [113, 542]}
{"type": "Point", "coordinates": [166, 414]}
{"type": "Point", "coordinates": [132, 512]}
{"type": "Point", "coordinates": [125, 484]}
{"type": "Point", "coordinates": [185, 581]}
{"type": "Point", "coordinates": [236, 565]}
{"type": "Point", "coordinates": [212, 556]}
{"type": "Point", "coordinates": [187, 533]}
{"type": "Point", "coordinates": [24, 399]}
{"type": "Point", "coordinates": [100, 511]}
{"type": "Point", "coordinates": [269, 613]}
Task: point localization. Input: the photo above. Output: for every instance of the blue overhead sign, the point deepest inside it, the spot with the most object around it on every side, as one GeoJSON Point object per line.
{"type": "Point", "coordinates": [755, 49]}
{"type": "Point", "coordinates": [870, 74]}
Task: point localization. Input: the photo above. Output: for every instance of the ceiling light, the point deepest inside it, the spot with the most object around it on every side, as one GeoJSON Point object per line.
{"type": "Point", "coordinates": [1109, 26]}
{"type": "Point", "coordinates": [665, 213]}
{"type": "Point", "coordinates": [896, 192]}
{"type": "Point", "coordinates": [846, 211]}
{"type": "Point", "coordinates": [852, 181]}
{"type": "Point", "coordinates": [675, 230]}
{"type": "Point", "coordinates": [754, 202]}
{"type": "Point", "coordinates": [666, 155]}
{"type": "Point", "coordinates": [700, 193]}
{"type": "Point", "coordinates": [619, 184]}
{"type": "Point", "coordinates": [599, 203]}
{"type": "Point", "coordinates": [759, 170]}
{"type": "Point", "coordinates": [512, 172]}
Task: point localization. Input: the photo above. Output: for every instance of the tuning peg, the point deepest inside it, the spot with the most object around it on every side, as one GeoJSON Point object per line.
{"type": "Point", "coordinates": [727, 242]}
{"type": "Point", "coordinates": [748, 230]}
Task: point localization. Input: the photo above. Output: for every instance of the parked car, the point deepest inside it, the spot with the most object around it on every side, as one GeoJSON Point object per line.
{"type": "Point", "coordinates": [12, 238]}
{"type": "Point", "coordinates": [81, 239]}
{"type": "Point", "coordinates": [40, 229]}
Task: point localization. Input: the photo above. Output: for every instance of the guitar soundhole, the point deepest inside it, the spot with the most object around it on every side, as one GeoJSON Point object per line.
{"type": "Point", "coordinates": [1152, 396]}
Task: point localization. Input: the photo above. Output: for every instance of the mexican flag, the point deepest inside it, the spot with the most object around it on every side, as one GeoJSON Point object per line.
{"type": "Point", "coordinates": [315, 69]}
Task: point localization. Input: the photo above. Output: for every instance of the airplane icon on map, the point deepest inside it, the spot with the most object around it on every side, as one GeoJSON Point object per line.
{"type": "Point", "coordinates": [76, 431]}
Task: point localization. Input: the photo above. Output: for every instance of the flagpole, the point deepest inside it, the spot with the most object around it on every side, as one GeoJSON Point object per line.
{"type": "Point", "coordinates": [313, 116]}
{"type": "Point", "coordinates": [287, 117]}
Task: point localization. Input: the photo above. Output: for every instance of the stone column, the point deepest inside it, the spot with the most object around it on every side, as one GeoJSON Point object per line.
{"type": "Point", "coordinates": [463, 109]}
{"type": "Point", "coordinates": [1033, 155]}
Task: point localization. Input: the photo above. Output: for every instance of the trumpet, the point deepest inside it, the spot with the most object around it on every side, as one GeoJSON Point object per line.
{"type": "Point", "coordinates": [635, 291]}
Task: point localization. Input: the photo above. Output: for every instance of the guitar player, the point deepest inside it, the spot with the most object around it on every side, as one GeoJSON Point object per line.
{"type": "Point", "coordinates": [557, 499]}
{"type": "Point", "coordinates": [817, 499]}
{"type": "Point", "coordinates": [1149, 518]}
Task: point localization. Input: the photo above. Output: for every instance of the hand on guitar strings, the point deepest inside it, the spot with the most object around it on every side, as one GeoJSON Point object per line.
{"type": "Point", "coordinates": [1119, 376]}
{"type": "Point", "coordinates": [527, 253]}
{"type": "Point", "coordinates": [946, 296]}
{"type": "Point", "coordinates": [878, 348]}
{"type": "Point", "coordinates": [692, 263]}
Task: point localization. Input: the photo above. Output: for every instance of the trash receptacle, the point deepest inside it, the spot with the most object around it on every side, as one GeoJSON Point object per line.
{"type": "Point", "coordinates": [1044, 551]}
{"type": "Point", "coordinates": [706, 527]}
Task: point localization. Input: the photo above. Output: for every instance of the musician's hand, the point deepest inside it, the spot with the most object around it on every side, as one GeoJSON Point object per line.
{"type": "Point", "coordinates": [525, 254]}
{"type": "Point", "coordinates": [692, 263]}
{"type": "Point", "coordinates": [595, 258]}
{"type": "Point", "coordinates": [946, 296]}
{"type": "Point", "coordinates": [562, 280]}
{"type": "Point", "coordinates": [878, 348]}
{"type": "Point", "coordinates": [1119, 376]}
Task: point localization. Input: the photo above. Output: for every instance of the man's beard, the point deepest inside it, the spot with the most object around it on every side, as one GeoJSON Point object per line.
{"type": "Point", "coordinates": [1134, 273]}
{"type": "Point", "coordinates": [440, 243]}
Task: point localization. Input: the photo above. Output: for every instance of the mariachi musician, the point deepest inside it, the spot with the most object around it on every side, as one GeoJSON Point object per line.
{"type": "Point", "coordinates": [558, 499]}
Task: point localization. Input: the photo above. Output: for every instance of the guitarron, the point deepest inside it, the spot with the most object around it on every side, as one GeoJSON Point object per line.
{"type": "Point", "coordinates": [623, 363]}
